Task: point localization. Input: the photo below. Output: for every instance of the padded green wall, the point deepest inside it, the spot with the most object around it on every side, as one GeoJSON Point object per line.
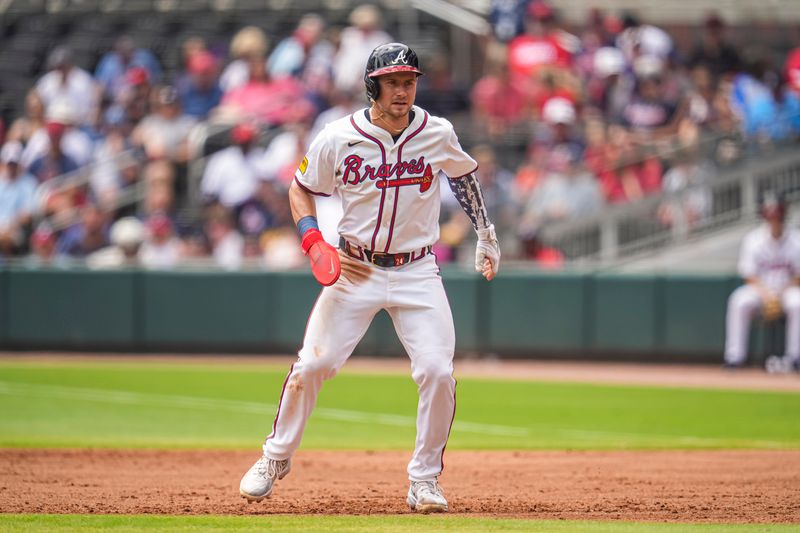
{"type": "Point", "coordinates": [625, 313]}
{"type": "Point", "coordinates": [66, 309]}
{"type": "Point", "coordinates": [266, 312]}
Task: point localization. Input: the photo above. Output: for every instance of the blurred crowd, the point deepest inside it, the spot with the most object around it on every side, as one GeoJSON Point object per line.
{"type": "Point", "coordinates": [100, 166]}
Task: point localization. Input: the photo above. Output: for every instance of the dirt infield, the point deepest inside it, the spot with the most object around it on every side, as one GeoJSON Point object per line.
{"type": "Point", "coordinates": [696, 486]}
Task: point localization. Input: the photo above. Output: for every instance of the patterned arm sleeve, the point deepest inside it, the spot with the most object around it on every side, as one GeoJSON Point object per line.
{"type": "Point", "coordinates": [467, 191]}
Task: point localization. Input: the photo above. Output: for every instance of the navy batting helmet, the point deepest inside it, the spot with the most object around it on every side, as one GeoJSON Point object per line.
{"type": "Point", "coordinates": [385, 59]}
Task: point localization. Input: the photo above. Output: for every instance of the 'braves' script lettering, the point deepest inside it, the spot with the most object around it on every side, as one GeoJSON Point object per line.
{"type": "Point", "coordinates": [355, 171]}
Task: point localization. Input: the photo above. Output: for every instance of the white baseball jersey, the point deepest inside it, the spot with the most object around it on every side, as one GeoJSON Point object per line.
{"type": "Point", "coordinates": [775, 263]}
{"type": "Point", "coordinates": [389, 189]}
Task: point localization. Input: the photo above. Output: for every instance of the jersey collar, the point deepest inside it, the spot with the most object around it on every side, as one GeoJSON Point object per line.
{"type": "Point", "coordinates": [383, 135]}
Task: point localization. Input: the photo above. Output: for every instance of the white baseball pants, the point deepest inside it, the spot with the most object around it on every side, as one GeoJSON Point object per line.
{"type": "Point", "coordinates": [415, 299]}
{"type": "Point", "coordinates": [743, 303]}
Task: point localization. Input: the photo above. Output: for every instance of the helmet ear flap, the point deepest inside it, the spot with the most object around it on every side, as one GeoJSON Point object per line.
{"type": "Point", "coordinates": [373, 89]}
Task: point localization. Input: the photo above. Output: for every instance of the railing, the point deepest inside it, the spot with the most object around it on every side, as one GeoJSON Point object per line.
{"type": "Point", "coordinates": [623, 231]}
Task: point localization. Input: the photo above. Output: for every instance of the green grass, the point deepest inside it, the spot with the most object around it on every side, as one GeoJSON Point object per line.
{"type": "Point", "coordinates": [154, 404]}
{"type": "Point", "coordinates": [361, 524]}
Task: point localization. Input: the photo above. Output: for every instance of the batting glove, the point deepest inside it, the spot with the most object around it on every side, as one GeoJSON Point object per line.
{"type": "Point", "coordinates": [324, 258]}
{"type": "Point", "coordinates": [487, 249]}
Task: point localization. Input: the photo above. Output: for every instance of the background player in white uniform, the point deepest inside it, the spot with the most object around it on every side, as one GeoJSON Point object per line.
{"type": "Point", "coordinates": [769, 262]}
{"type": "Point", "coordinates": [384, 163]}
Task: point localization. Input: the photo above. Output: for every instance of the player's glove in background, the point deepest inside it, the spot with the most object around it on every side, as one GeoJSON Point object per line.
{"type": "Point", "coordinates": [487, 249]}
{"type": "Point", "coordinates": [324, 258]}
{"type": "Point", "coordinates": [772, 308]}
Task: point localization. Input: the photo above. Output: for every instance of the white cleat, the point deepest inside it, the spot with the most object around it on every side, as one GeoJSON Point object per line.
{"type": "Point", "coordinates": [257, 482]}
{"type": "Point", "coordinates": [776, 364]}
{"type": "Point", "coordinates": [426, 497]}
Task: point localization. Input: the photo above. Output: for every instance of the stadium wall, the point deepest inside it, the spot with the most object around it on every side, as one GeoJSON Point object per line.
{"type": "Point", "coordinates": [519, 314]}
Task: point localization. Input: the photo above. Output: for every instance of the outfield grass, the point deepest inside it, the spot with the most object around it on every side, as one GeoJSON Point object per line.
{"type": "Point", "coordinates": [355, 524]}
{"type": "Point", "coordinates": [154, 404]}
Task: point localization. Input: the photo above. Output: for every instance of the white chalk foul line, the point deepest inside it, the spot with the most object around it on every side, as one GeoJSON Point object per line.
{"type": "Point", "coordinates": [234, 406]}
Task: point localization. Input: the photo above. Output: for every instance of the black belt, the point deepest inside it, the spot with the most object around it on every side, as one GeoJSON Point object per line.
{"type": "Point", "coordinates": [382, 259]}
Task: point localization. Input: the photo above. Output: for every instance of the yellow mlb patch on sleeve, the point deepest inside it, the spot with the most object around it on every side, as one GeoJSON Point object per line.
{"type": "Point", "coordinates": [304, 165]}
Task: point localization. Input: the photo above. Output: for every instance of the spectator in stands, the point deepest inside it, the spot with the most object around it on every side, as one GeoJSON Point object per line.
{"type": "Point", "coordinates": [290, 55]}
{"type": "Point", "coordinates": [507, 18]}
{"type": "Point", "coordinates": [610, 85]}
{"type": "Point", "coordinates": [543, 46]}
{"type": "Point", "coordinates": [114, 65]}
{"type": "Point", "coordinates": [249, 44]}
{"type": "Point", "coordinates": [688, 179]}
{"type": "Point", "coordinates": [714, 52]}
{"type": "Point", "coordinates": [126, 236]}
{"type": "Point", "coordinates": [232, 175]}
{"type": "Point", "coordinates": [88, 235]}
{"type": "Point", "coordinates": [543, 256]}
{"type": "Point", "coordinates": [497, 184]}
{"type": "Point", "coordinates": [164, 133]}
{"type": "Point", "coordinates": [227, 244]}
{"type": "Point", "coordinates": [116, 166]}
{"type": "Point", "coordinates": [61, 118]}
{"type": "Point", "coordinates": [200, 91]}
{"type": "Point", "coordinates": [498, 102]}
{"type": "Point", "coordinates": [286, 152]}
{"type": "Point", "coordinates": [629, 171]}
{"type": "Point", "coordinates": [65, 81]}
{"type": "Point", "coordinates": [355, 44]}
{"type": "Point", "coordinates": [271, 101]}
{"type": "Point", "coordinates": [23, 128]}
{"type": "Point", "coordinates": [54, 162]}
{"type": "Point", "coordinates": [161, 249]}
{"type": "Point", "coordinates": [567, 190]}
{"type": "Point", "coordinates": [281, 249]}
{"type": "Point", "coordinates": [438, 91]}
{"type": "Point", "coordinates": [791, 70]}
{"type": "Point", "coordinates": [342, 104]}
{"type": "Point", "coordinates": [752, 99]}
{"type": "Point", "coordinates": [43, 248]}
{"type": "Point", "coordinates": [17, 198]}
{"type": "Point", "coordinates": [638, 39]}
{"type": "Point", "coordinates": [558, 129]}
{"type": "Point", "coordinates": [134, 96]}
{"type": "Point", "coordinates": [651, 115]}
{"type": "Point", "coordinates": [787, 96]}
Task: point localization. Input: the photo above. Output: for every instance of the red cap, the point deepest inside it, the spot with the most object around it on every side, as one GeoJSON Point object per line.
{"type": "Point", "coordinates": [137, 76]}
{"type": "Point", "coordinates": [159, 225]}
{"type": "Point", "coordinates": [540, 10]}
{"type": "Point", "coordinates": [792, 70]}
{"type": "Point", "coordinates": [55, 129]}
{"type": "Point", "coordinates": [42, 236]}
{"type": "Point", "coordinates": [243, 133]}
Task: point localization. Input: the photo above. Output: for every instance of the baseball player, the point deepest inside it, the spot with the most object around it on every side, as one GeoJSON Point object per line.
{"type": "Point", "coordinates": [384, 163]}
{"type": "Point", "coordinates": [769, 262]}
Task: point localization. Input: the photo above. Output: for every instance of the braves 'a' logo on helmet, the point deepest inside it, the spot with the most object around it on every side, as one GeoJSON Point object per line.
{"type": "Point", "coordinates": [401, 58]}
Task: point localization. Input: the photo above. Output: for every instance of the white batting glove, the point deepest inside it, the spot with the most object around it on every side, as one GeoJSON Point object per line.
{"type": "Point", "coordinates": [487, 249]}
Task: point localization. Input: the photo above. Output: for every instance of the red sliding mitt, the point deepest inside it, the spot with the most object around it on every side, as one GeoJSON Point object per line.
{"type": "Point", "coordinates": [324, 258]}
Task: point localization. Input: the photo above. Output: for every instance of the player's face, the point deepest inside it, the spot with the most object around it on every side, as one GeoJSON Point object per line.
{"type": "Point", "coordinates": [398, 91]}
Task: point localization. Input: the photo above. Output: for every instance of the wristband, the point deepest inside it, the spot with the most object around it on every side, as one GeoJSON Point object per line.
{"type": "Point", "coordinates": [306, 223]}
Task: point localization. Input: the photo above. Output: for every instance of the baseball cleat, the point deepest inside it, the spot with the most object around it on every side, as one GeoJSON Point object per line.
{"type": "Point", "coordinates": [426, 497]}
{"type": "Point", "coordinates": [776, 364]}
{"type": "Point", "coordinates": [257, 482]}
